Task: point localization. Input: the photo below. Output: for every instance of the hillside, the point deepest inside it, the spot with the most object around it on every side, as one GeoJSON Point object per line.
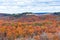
{"type": "Point", "coordinates": [28, 17]}
{"type": "Point", "coordinates": [30, 26]}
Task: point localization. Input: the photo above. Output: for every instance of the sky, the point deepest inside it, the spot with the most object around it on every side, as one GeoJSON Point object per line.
{"type": "Point", "coordinates": [19, 6]}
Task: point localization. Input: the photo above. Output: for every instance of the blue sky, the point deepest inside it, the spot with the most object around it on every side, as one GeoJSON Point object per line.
{"type": "Point", "coordinates": [19, 6]}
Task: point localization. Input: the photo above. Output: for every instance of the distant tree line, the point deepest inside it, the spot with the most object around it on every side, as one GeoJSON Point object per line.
{"type": "Point", "coordinates": [18, 15]}
{"type": "Point", "coordinates": [57, 13]}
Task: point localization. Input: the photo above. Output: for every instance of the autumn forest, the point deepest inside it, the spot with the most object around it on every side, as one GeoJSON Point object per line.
{"type": "Point", "coordinates": [30, 26]}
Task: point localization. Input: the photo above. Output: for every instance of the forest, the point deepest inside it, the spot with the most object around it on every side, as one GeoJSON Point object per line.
{"type": "Point", "coordinates": [30, 26]}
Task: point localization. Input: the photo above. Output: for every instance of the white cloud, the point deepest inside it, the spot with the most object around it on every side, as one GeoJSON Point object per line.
{"type": "Point", "coordinates": [16, 6]}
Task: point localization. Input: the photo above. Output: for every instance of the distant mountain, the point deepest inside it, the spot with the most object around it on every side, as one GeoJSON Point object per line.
{"type": "Point", "coordinates": [4, 14]}
{"type": "Point", "coordinates": [23, 14]}
{"type": "Point", "coordinates": [27, 16]}
{"type": "Point", "coordinates": [57, 13]}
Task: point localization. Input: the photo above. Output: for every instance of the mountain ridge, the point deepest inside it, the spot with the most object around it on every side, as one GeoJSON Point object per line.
{"type": "Point", "coordinates": [23, 17]}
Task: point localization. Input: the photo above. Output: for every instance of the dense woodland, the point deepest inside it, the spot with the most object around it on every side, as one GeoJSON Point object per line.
{"type": "Point", "coordinates": [30, 27]}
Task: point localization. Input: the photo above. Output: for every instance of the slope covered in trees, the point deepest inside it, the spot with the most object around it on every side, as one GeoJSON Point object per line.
{"type": "Point", "coordinates": [30, 27]}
